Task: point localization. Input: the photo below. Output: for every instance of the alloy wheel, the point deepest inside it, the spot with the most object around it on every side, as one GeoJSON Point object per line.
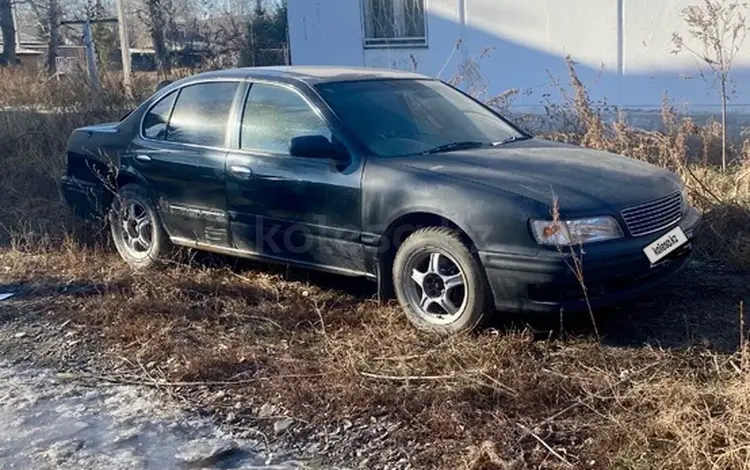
{"type": "Point", "coordinates": [436, 287]}
{"type": "Point", "coordinates": [137, 228]}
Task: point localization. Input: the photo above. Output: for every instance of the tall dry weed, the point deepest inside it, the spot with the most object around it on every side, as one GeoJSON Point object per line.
{"type": "Point", "coordinates": [37, 115]}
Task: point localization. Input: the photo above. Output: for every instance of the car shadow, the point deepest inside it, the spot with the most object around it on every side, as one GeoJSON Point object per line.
{"type": "Point", "coordinates": [31, 297]}
{"type": "Point", "coordinates": [57, 287]}
{"type": "Point", "coordinates": [358, 287]}
{"type": "Point", "coordinates": [700, 306]}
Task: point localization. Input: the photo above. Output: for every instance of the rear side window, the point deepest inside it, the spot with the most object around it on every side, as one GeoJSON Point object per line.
{"type": "Point", "coordinates": [155, 121]}
{"type": "Point", "coordinates": [275, 115]}
{"type": "Point", "coordinates": [201, 114]}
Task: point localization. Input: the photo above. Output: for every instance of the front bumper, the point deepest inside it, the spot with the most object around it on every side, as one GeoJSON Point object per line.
{"type": "Point", "coordinates": [613, 272]}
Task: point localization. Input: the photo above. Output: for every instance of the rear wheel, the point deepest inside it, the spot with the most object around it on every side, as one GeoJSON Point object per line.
{"type": "Point", "coordinates": [136, 228]}
{"type": "Point", "coordinates": [439, 283]}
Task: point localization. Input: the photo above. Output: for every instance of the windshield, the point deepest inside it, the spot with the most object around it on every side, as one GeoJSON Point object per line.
{"type": "Point", "coordinates": [407, 117]}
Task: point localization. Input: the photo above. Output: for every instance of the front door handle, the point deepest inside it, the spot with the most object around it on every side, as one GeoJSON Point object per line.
{"type": "Point", "coordinates": [241, 171]}
{"type": "Point", "coordinates": [143, 158]}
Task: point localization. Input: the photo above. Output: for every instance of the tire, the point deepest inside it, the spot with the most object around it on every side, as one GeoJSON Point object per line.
{"type": "Point", "coordinates": [439, 283]}
{"type": "Point", "coordinates": [136, 228]}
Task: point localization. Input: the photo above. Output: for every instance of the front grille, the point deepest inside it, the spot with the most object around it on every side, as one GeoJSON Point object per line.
{"type": "Point", "coordinates": [653, 216]}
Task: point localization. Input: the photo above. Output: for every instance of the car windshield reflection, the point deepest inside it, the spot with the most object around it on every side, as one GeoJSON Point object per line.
{"type": "Point", "coordinates": [407, 117]}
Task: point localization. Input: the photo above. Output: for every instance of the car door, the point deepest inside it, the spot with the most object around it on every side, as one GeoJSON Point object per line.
{"type": "Point", "coordinates": [303, 209]}
{"type": "Point", "coordinates": [181, 153]}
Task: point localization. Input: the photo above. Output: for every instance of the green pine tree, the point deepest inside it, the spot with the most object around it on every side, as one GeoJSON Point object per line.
{"type": "Point", "coordinates": [105, 37]}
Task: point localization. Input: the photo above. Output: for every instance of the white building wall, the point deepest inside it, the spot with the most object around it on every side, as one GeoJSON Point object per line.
{"type": "Point", "coordinates": [325, 32]}
{"type": "Point", "coordinates": [622, 47]}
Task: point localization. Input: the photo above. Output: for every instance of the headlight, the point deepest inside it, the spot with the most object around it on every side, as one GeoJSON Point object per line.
{"type": "Point", "coordinates": [575, 232]}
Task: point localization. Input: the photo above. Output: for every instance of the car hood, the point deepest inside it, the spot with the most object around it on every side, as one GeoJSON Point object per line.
{"type": "Point", "coordinates": [583, 180]}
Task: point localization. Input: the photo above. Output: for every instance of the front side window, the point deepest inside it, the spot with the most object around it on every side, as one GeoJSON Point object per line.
{"type": "Point", "coordinates": [274, 116]}
{"type": "Point", "coordinates": [201, 114]}
{"type": "Point", "coordinates": [405, 117]}
{"type": "Point", "coordinates": [394, 23]}
{"type": "Point", "coordinates": [155, 121]}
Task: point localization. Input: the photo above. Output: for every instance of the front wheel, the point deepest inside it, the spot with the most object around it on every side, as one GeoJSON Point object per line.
{"type": "Point", "coordinates": [439, 283]}
{"type": "Point", "coordinates": [136, 228]}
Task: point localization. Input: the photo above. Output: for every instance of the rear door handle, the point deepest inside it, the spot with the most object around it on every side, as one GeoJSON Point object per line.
{"type": "Point", "coordinates": [241, 171]}
{"type": "Point", "coordinates": [143, 158]}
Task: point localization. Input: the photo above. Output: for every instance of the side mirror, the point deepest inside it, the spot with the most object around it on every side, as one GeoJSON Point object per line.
{"type": "Point", "coordinates": [314, 146]}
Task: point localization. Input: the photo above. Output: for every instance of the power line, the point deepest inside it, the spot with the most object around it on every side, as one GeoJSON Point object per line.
{"type": "Point", "coordinates": [92, 21]}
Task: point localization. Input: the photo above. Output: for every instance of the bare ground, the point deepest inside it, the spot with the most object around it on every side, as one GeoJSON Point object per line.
{"type": "Point", "coordinates": [57, 421]}
{"type": "Point", "coordinates": [666, 385]}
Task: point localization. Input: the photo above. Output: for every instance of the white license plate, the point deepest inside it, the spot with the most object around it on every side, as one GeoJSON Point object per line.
{"type": "Point", "coordinates": [665, 245]}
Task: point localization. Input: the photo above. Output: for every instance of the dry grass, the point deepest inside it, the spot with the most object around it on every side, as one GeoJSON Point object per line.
{"type": "Point", "coordinates": [33, 139]}
{"type": "Point", "coordinates": [322, 355]}
{"type": "Point", "coordinates": [664, 388]}
{"type": "Point", "coordinates": [25, 88]}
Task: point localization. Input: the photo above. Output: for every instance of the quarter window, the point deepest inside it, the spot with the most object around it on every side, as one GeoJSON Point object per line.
{"type": "Point", "coordinates": [274, 116]}
{"type": "Point", "coordinates": [394, 23]}
{"type": "Point", "coordinates": [155, 121]}
{"type": "Point", "coordinates": [201, 114]}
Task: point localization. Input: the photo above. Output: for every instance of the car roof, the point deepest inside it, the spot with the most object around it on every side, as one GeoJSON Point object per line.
{"type": "Point", "coordinates": [309, 74]}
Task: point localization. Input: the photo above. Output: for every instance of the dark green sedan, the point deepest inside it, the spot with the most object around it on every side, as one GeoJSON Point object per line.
{"type": "Point", "coordinates": [393, 176]}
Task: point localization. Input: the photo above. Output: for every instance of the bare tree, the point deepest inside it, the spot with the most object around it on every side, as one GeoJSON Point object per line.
{"type": "Point", "coordinates": [47, 14]}
{"type": "Point", "coordinates": [156, 18]}
{"type": "Point", "coordinates": [8, 55]}
{"type": "Point", "coordinates": [720, 27]}
{"type": "Point", "coordinates": [227, 40]}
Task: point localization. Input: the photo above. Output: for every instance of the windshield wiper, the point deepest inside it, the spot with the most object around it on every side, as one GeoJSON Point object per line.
{"type": "Point", "coordinates": [459, 145]}
{"type": "Point", "coordinates": [513, 138]}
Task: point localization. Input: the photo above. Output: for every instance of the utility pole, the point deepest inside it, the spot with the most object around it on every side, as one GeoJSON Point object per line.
{"type": "Point", "coordinates": [88, 41]}
{"type": "Point", "coordinates": [124, 45]}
